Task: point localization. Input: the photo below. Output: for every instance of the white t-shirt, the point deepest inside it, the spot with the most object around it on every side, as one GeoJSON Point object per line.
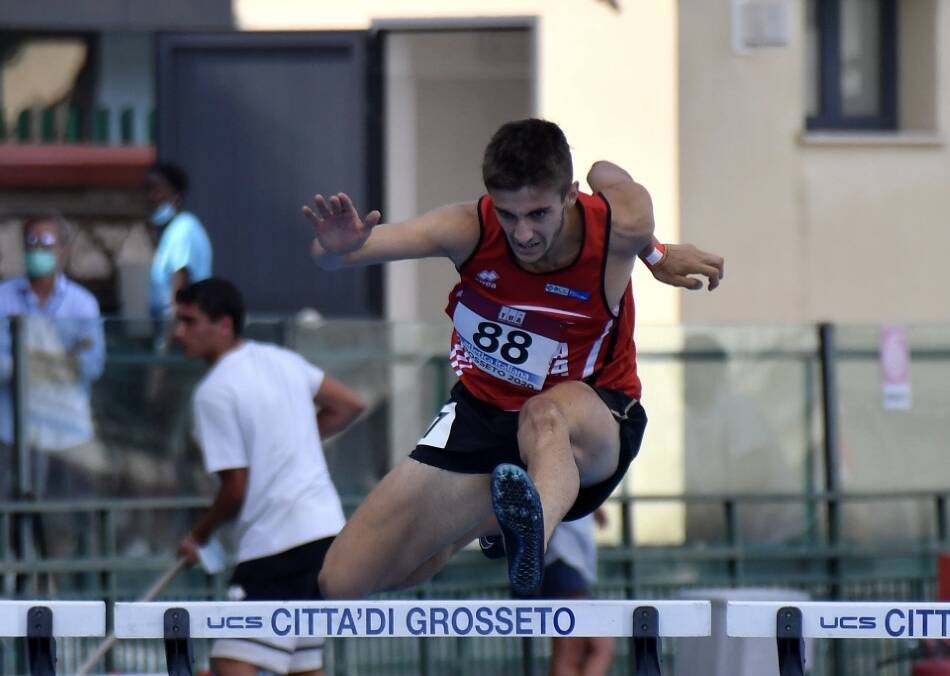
{"type": "Point", "coordinates": [573, 543]}
{"type": "Point", "coordinates": [255, 409]}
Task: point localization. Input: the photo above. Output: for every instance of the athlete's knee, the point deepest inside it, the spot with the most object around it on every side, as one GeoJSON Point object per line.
{"type": "Point", "coordinates": [540, 414]}
{"type": "Point", "coordinates": [339, 581]}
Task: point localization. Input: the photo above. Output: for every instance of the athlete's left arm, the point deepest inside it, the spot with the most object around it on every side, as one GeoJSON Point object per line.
{"type": "Point", "coordinates": [632, 212]}
{"type": "Point", "coordinates": [631, 209]}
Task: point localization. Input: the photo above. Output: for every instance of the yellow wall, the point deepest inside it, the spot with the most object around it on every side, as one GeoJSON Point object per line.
{"type": "Point", "coordinates": [815, 226]}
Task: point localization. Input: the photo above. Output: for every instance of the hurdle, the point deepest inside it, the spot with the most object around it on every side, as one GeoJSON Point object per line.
{"type": "Point", "coordinates": [646, 621]}
{"type": "Point", "coordinates": [791, 623]}
{"type": "Point", "coordinates": [39, 622]}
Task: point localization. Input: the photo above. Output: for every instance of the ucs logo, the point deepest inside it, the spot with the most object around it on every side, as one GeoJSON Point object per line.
{"type": "Point", "coordinates": [236, 622]}
{"type": "Point", "coordinates": [847, 622]}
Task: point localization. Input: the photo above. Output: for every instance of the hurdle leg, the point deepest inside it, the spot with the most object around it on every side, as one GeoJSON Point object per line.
{"type": "Point", "coordinates": [179, 659]}
{"type": "Point", "coordinates": [40, 644]}
{"type": "Point", "coordinates": [791, 645]}
{"type": "Point", "coordinates": [646, 640]}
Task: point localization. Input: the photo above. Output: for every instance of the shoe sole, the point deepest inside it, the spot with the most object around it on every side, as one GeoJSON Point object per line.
{"type": "Point", "coordinates": [517, 507]}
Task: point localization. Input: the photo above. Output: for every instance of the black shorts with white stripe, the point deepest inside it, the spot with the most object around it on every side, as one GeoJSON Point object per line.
{"type": "Point", "coordinates": [470, 436]}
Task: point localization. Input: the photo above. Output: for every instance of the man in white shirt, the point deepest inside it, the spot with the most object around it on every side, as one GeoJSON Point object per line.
{"type": "Point", "coordinates": [276, 510]}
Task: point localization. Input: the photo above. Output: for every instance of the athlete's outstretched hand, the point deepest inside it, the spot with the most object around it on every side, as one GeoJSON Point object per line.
{"type": "Point", "coordinates": [683, 260]}
{"type": "Point", "coordinates": [337, 225]}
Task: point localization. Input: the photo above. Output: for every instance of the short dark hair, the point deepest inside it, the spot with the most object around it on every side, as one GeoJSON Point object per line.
{"type": "Point", "coordinates": [175, 175]}
{"type": "Point", "coordinates": [528, 152]}
{"type": "Point", "coordinates": [217, 298]}
{"type": "Point", "coordinates": [62, 227]}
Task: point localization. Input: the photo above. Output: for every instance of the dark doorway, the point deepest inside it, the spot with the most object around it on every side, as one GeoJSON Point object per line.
{"type": "Point", "coordinates": [261, 122]}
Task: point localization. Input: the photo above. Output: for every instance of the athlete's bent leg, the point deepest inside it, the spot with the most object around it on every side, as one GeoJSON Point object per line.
{"type": "Point", "coordinates": [412, 516]}
{"type": "Point", "coordinates": [428, 569]}
{"type": "Point", "coordinates": [568, 438]}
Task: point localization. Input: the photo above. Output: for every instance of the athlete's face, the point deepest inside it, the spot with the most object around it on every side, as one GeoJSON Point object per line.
{"type": "Point", "coordinates": [200, 336]}
{"type": "Point", "coordinates": [532, 218]}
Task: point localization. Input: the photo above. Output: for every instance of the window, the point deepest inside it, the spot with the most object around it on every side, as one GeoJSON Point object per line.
{"type": "Point", "coordinates": [74, 87]}
{"type": "Point", "coordinates": [851, 64]}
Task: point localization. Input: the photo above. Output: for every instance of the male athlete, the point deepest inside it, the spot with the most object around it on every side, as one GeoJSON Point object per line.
{"type": "Point", "coordinates": [545, 418]}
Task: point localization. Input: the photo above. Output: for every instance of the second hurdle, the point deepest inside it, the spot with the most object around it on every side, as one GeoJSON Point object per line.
{"type": "Point", "coordinates": [790, 624]}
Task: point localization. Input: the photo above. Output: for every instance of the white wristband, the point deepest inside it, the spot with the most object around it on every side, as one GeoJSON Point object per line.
{"type": "Point", "coordinates": [653, 257]}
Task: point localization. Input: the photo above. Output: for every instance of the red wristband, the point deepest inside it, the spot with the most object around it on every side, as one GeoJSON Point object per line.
{"type": "Point", "coordinates": [654, 256]}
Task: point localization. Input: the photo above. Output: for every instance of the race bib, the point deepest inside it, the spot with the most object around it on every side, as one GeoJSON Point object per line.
{"type": "Point", "coordinates": [514, 345]}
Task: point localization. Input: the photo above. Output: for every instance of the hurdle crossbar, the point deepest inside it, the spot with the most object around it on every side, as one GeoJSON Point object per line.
{"type": "Point", "coordinates": [889, 620]}
{"type": "Point", "coordinates": [70, 618]}
{"type": "Point", "coordinates": [40, 621]}
{"type": "Point", "coordinates": [791, 623]}
{"type": "Point", "coordinates": [261, 619]}
{"type": "Point", "coordinates": [644, 621]}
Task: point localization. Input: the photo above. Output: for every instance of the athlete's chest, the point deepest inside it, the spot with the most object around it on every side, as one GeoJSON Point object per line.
{"type": "Point", "coordinates": [573, 294]}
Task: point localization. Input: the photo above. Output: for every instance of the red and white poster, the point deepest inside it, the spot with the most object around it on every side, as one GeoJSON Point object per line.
{"type": "Point", "coordinates": [895, 368]}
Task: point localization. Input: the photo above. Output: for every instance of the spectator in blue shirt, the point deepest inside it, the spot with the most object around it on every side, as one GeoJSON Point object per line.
{"type": "Point", "coordinates": [184, 250]}
{"type": "Point", "coordinates": [65, 352]}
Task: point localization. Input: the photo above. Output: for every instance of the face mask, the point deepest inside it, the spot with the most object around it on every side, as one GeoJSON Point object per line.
{"type": "Point", "coordinates": [163, 213]}
{"type": "Point", "coordinates": [40, 263]}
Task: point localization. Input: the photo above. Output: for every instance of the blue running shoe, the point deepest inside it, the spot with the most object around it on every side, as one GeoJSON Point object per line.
{"type": "Point", "coordinates": [492, 546]}
{"type": "Point", "coordinates": [517, 507]}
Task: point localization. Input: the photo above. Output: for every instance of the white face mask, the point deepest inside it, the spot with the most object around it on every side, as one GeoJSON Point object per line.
{"type": "Point", "coordinates": [163, 213]}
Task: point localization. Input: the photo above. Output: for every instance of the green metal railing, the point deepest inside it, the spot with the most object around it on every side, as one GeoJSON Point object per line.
{"type": "Point", "coordinates": [78, 124]}
{"type": "Point", "coordinates": [827, 548]}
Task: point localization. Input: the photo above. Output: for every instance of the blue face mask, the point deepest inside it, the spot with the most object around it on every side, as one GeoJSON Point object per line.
{"type": "Point", "coordinates": [40, 263]}
{"type": "Point", "coordinates": [163, 213]}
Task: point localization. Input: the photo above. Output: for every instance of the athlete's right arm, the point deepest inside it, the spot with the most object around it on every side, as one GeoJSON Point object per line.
{"type": "Point", "coordinates": [343, 239]}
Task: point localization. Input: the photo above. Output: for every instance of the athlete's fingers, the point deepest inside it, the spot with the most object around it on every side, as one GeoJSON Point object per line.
{"type": "Point", "coordinates": [687, 282]}
{"type": "Point", "coordinates": [323, 209]}
{"type": "Point", "coordinates": [373, 218]}
{"type": "Point", "coordinates": [308, 212]}
{"type": "Point", "coordinates": [707, 271]}
{"type": "Point", "coordinates": [716, 262]}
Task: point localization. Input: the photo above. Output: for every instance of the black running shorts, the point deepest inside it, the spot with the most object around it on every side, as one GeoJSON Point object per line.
{"type": "Point", "coordinates": [470, 436]}
{"type": "Point", "coordinates": [290, 574]}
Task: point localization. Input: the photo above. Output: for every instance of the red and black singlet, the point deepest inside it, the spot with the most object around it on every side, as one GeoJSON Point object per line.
{"type": "Point", "coordinates": [519, 332]}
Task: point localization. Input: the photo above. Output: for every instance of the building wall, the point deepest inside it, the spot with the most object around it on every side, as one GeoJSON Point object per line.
{"type": "Point", "coordinates": [847, 228]}
{"type": "Point", "coordinates": [606, 76]}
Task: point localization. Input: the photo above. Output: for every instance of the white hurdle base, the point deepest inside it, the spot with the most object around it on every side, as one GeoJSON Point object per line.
{"type": "Point", "coordinates": [40, 621]}
{"type": "Point", "coordinates": [645, 621]}
{"type": "Point", "coordinates": [791, 623]}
